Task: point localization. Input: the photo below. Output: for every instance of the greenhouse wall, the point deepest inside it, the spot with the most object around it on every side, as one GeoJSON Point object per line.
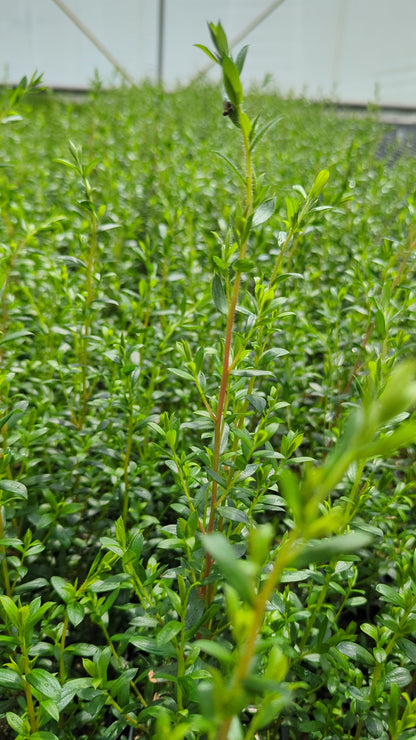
{"type": "Point", "coordinates": [352, 51]}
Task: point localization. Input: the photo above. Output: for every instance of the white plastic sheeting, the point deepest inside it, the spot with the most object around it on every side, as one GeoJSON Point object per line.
{"type": "Point", "coordinates": [353, 51]}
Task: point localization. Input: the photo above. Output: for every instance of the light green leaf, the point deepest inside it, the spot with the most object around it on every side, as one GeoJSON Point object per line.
{"type": "Point", "coordinates": [51, 708]}
{"type": "Point", "coordinates": [11, 609]}
{"type": "Point", "coordinates": [232, 82]}
{"type": "Point", "coordinates": [323, 550]}
{"type": "Point", "coordinates": [76, 613]}
{"type": "Point", "coordinates": [263, 212]}
{"type": "Point", "coordinates": [150, 645]}
{"type": "Point", "coordinates": [257, 137]}
{"type": "Point", "coordinates": [390, 595]}
{"type": "Point", "coordinates": [14, 488]}
{"type": "Point", "coordinates": [18, 724]}
{"type": "Point", "coordinates": [245, 124]}
{"type": "Point", "coordinates": [319, 184]}
{"type": "Point", "coordinates": [215, 649]}
{"type": "Point", "coordinates": [231, 568]}
{"type": "Point", "coordinates": [219, 38]}
{"type": "Point", "coordinates": [168, 632]}
{"type": "Point", "coordinates": [207, 52]}
{"type": "Point", "coordinates": [64, 589]}
{"type": "Point", "coordinates": [11, 337]}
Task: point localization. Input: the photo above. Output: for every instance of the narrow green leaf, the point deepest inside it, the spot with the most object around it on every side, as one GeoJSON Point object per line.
{"type": "Point", "coordinates": [257, 137]}
{"type": "Point", "coordinates": [232, 165]}
{"type": "Point", "coordinates": [70, 260]}
{"type": "Point", "coordinates": [232, 514]}
{"type": "Point", "coordinates": [67, 164]}
{"type": "Point", "coordinates": [244, 265]}
{"type": "Point", "coordinates": [50, 708]}
{"type": "Point", "coordinates": [150, 645]}
{"type": "Point", "coordinates": [215, 649]}
{"type": "Point", "coordinates": [74, 686]}
{"type": "Point", "coordinates": [380, 324]}
{"type": "Point", "coordinates": [219, 38]}
{"type": "Point", "coordinates": [241, 58]}
{"type": "Point", "coordinates": [245, 124]}
{"type": "Point", "coordinates": [11, 609]}
{"type": "Point", "coordinates": [232, 82]}
{"type": "Point", "coordinates": [218, 295]}
{"type": "Point", "coordinates": [11, 337]}
{"type": "Point", "coordinates": [180, 373]}
{"type": "Point", "coordinates": [209, 53]}
{"type": "Point", "coordinates": [321, 551]}
{"type": "Point", "coordinates": [216, 476]}
{"type": "Point", "coordinates": [319, 184]}
{"type": "Point", "coordinates": [168, 632]}
{"type": "Point", "coordinates": [229, 565]}
{"type": "Point", "coordinates": [292, 209]}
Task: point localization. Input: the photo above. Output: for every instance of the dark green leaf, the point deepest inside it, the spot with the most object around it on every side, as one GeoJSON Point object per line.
{"type": "Point", "coordinates": [399, 676]}
{"type": "Point", "coordinates": [356, 652]}
{"type": "Point", "coordinates": [10, 680]}
{"type": "Point", "coordinates": [45, 683]}
{"type": "Point", "coordinates": [218, 295]}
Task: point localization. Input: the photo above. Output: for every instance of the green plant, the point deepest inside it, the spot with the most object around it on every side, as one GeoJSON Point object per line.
{"type": "Point", "coordinates": [206, 416]}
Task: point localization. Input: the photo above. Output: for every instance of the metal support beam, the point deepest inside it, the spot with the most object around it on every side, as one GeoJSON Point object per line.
{"type": "Point", "coordinates": [161, 42]}
{"type": "Point", "coordinates": [94, 40]}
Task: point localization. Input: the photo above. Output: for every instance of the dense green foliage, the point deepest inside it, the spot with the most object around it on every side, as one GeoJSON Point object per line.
{"type": "Point", "coordinates": [128, 591]}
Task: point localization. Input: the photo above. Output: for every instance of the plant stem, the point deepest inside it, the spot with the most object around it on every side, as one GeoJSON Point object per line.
{"type": "Point", "coordinates": [219, 416]}
{"type": "Point", "coordinates": [287, 552]}
{"type": "Point", "coordinates": [130, 431]}
{"type": "Point", "coordinates": [61, 658]}
{"type": "Point", "coordinates": [28, 691]}
{"type": "Point", "coordinates": [87, 322]}
{"type": "Point", "coordinates": [4, 567]}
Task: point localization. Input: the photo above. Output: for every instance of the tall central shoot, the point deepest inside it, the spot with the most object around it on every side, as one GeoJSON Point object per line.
{"type": "Point", "coordinates": [231, 71]}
